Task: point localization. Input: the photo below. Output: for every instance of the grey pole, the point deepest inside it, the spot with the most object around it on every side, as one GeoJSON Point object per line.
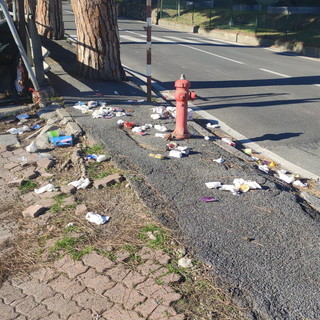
{"type": "Point", "coordinates": [20, 46]}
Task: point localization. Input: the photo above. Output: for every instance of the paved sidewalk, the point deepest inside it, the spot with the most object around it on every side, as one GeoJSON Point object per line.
{"type": "Point", "coordinates": [93, 288]}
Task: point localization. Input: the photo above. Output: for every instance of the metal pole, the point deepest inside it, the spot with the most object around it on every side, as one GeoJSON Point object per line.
{"type": "Point", "coordinates": [20, 46]}
{"type": "Point", "coordinates": [148, 14]}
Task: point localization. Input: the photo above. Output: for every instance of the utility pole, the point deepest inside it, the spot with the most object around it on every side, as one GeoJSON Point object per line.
{"type": "Point", "coordinates": [148, 28]}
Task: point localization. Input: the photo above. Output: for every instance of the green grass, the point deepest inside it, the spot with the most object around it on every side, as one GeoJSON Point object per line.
{"type": "Point", "coordinates": [159, 233]}
{"type": "Point", "coordinates": [57, 206]}
{"type": "Point", "coordinates": [27, 186]}
{"type": "Point", "coordinates": [94, 149]}
{"type": "Point", "coordinates": [72, 246]}
{"type": "Point", "coordinates": [96, 170]}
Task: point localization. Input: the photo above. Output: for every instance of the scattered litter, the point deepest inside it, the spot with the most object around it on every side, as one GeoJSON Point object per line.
{"type": "Point", "coordinates": [32, 147]}
{"type": "Point", "coordinates": [190, 114]}
{"type": "Point", "coordinates": [98, 158]}
{"type": "Point", "coordinates": [22, 116]}
{"type": "Point", "coordinates": [156, 156]}
{"type": "Point", "coordinates": [183, 150]}
{"type": "Point", "coordinates": [35, 127]}
{"type": "Point", "coordinates": [212, 126]}
{"type": "Point", "coordinates": [175, 154]}
{"type": "Point", "coordinates": [70, 224]}
{"type": "Point", "coordinates": [92, 104]}
{"type": "Point", "coordinates": [253, 158]}
{"type": "Point", "coordinates": [22, 121]}
{"type": "Point", "coordinates": [282, 175]}
{"type": "Point", "coordinates": [213, 185]}
{"type": "Point", "coordinates": [248, 151]}
{"type": "Point", "coordinates": [209, 199]}
{"type": "Point", "coordinates": [207, 138]}
{"type": "Point", "coordinates": [160, 128]}
{"type": "Point", "coordinates": [264, 168]}
{"type": "Point", "coordinates": [96, 218]}
{"type": "Point", "coordinates": [219, 160]}
{"type": "Point", "coordinates": [299, 183]}
{"type": "Point", "coordinates": [158, 110]}
{"type": "Point", "coordinates": [52, 134]}
{"type": "Point", "coordinates": [120, 123]}
{"type": "Point", "coordinates": [185, 263]}
{"type": "Point", "coordinates": [151, 236]}
{"type": "Point", "coordinates": [130, 101]}
{"type": "Point", "coordinates": [245, 186]}
{"type": "Point", "coordinates": [81, 183]}
{"type": "Point", "coordinates": [140, 100]}
{"type": "Point", "coordinates": [128, 125]}
{"type": "Point", "coordinates": [61, 141]}
{"type": "Point", "coordinates": [155, 116]}
{"type": "Point", "coordinates": [137, 129]}
{"type": "Point", "coordinates": [19, 130]}
{"type": "Point", "coordinates": [48, 188]}
{"type": "Point", "coordinates": [115, 92]}
{"type": "Point", "coordinates": [228, 141]}
{"type": "Point", "coordinates": [230, 187]}
{"type": "Point", "coordinates": [160, 135]}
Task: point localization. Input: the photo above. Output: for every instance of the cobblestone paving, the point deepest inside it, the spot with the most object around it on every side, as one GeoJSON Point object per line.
{"type": "Point", "coordinates": [93, 288]}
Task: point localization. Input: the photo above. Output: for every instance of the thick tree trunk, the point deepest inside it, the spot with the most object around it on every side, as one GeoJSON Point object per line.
{"type": "Point", "coordinates": [98, 39]}
{"type": "Point", "coordinates": [30, 6]}
{"type": "Point", "coordinates": [49, 19]}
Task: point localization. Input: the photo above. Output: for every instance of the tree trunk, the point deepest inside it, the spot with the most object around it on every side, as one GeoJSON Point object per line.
{"type": "Point", "coordinates": [98, 39]}
{"type": "Point", "coordinates": [30, 6]}
{"type": "Point", "coordinates": [49, 19]}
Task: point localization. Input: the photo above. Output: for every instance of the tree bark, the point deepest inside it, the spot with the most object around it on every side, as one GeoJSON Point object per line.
{"type": "Point", "coordinates": [49, 19]}
{"type": "Point", "coordinates": [98, 39]}
{"type": "Point", "coordinates": [30, 6]}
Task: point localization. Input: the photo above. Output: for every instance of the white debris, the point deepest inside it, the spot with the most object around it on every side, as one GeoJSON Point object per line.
{"type": "Point", "coordinates": [160, 128]}
{"type": "Point", "coordinates": [160, 135]}
{"type": "Point", "coordinates": [298, 183]}
{"type": "Point", "coordinates": [137, 129]}
{"type": "Point", "coordinates": [19, 130]}
{"type": "Point", "coordinates": [48, 188]}
{"type": "Point", "coordinates": [155, 116]}
{"type": "Point", "coordinates": [219, 160]}
{"type": "Point", "coordinates": [151, 236]}
{"type": "Point", "coordinates": [213, 185]}
{"type": "Point", "coordinates": [185, 263]}
{"type": "Point", "coordinates": [101, 158]}
{"type": "Point", "coordinates": [254, 158]}
{"type": "Point", "coordinates": [230, 187]}
{"type": "Point", "coordinates": [264, 168]}
{"type": "Point", "coordinates": [81, 183]}
{"type": "Point", "coordinates": [190, 114]}
{"type": "Point", "coordinates": [175, 154]}
{"type": "Point", "coordinates": [159, 110]}
{"type": "Point", "coordinates": [92, 104]}
{"type": "Point", "coordinates": [184, 150]}
{"type": "Point", "coordinates": [120, 114]}
{"type": "Point", "coordinates": [96, 218]}
{"type": "Point", "coordinates": [228, 141]}
{"type": "Point", "coordinates": [207, 138]}
{"type": "Point", "coordinates": [140, 100]}
{"type": "Point", "coordinates": [32, 147]}
{"type": "Point", "coordinates": [245, 186]}
{"type": "Point", "coordinates": [282, 175]}
{"type": "Point", "coordinates": [120, 122]}
{"type": "Point", "coordinates": [82, 108]}
{"type": "Point", "coordinates": [115, 92]}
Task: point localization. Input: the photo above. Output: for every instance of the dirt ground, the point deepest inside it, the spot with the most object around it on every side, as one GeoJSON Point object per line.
{"type": "Point", "coordinates": [35, 242]}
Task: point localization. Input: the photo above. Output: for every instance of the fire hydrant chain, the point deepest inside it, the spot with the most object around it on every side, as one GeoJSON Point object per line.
{"type": "Point", "coordinates": [182, 96]}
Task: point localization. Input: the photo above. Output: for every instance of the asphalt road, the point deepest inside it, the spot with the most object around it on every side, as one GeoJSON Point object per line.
{"type": "Point", "coordinates": [259, 95]}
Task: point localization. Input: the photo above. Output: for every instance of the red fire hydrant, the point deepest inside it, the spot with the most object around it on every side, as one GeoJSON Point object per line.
{"type": "Point", "coordinates": [182, 96]}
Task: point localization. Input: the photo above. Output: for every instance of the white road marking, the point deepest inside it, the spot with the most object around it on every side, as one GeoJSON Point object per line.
{"type": "Point", "coordinates": [211, 54]}
{"type": "Point", "coordinates": [68, 11]}
{"type": "Point", "coordinates": [131, 38]}
{"type": "Point", "coordinates": [206, 41]}
{"type": "Point", "coordinates": [276, 73]}
{"type": "Point", "coordinates": [317, 85]}
{"type": "Point", "coordinates": [182, 40]}
{"type": "Point", "coordinates": [310, 58]}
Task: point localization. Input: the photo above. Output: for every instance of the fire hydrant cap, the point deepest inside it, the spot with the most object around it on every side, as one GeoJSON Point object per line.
{"type": "Point", "coordinates": [182, 83]}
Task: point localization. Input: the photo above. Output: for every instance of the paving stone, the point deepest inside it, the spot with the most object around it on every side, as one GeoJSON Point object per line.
{"type": "Point", "coordinates": [162, 312]}
{"type": "Point", "coordinates": [81, 209]}
{"type": "Point", "coordinates": [67, 287]}
{"type": "Point", "coordinates": [24, 306]}
{"type": "Point", "coordinates": [38, 290]}
{"type": "Point", "coordinates": [72, 268]}
{"type": "Point", "coordinates": [122, 255]}
{"type": "Point", "coordinates": [34, 211]}
{"type": "Point", "coordinates": [118, 313]}
{"type": "Point", "coordinates": [17, 171]}
{"type": "Point", "coordinates": [68, 201]}
{"type": "Point", "coordinates": [53, 316]}
{"type": "Point", "coordinates": [9, 293]}
{"type": "Point", "coordinates": [82, 315]}
{"type": "Point", "coordinates": [62, 306]}
{"type": "Point", "coordinates": [30, 173]}
{"type": "Point", "coordinates": [132, 298]}
{"type": "Point", "coordinates": [72, 128]}
{"type": "Point", "coordinates": [17, 280]}
{"type": "Point", "coordinates": [21, 318]}
{"type": "Point", "coordinates": [178, 317]}
{"type": "Point", "coordinates": [117, 293]}
{"type": "Point", "coordinates": [146, 253]}
{"type": "Point", "coordinates": [118, 273]}
{"type": "Point", "coordinates": [161, 257]}
{"type": "Point", "coordinates": [68, 189]}
{"type": "Point", "coordinates": [171, 277]}
{"type": "Point", "coordinates": [100, 263]}
{"type": "Point", "coordinates": [45, 163]}
{"type": "Point", "coordinates": [148, 288]}
{"type": "Point", "coordinates": [108, 181]}
{"type": "Point", "coordinates": [99, 283]}
{"type": "Point", "coordinates": [48, 195]}
{"type": "Point", "coordinates": [7, 312]}
{"type": "Point", "coordinates": [47, 203]}
{"type": "Point", "coordinates": [63, 113]}
{"type": "Point", "coordinates": [28, 197]}
{"type": "Point", "coordinates": [15, 183]}
{"type": "Point", "coordinates": [6, 175]}
{"type": "Point", "coordinates": [37, 312]}
{"type": "Point", "coordinates": [148, 267]}
{"type": "Point", "coordinates": [44, 275]}
{"type": "Point", "coordinates": [96, 303]}
{"type": "Point", "coordinates": [132, 279]}
{"type": "Point", "coordinates": [146, 308]}
{"type": "Point", "coordinates": [159, 273]}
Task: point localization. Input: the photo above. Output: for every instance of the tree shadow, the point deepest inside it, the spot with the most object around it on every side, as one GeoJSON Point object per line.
{"type": "Point", "coordinates": [272, 137]}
